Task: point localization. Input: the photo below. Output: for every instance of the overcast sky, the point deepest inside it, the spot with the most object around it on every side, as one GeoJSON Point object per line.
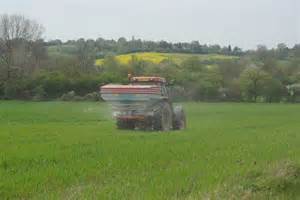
{"type": "Point", "coordinates": [245, 23]}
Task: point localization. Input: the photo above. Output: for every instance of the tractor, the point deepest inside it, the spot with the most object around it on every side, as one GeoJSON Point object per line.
{"type": "Point", "coordinates": [143, 104]}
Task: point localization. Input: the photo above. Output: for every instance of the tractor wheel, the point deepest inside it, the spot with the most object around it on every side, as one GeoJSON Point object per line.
{"type": "Point", "coordinates": [146, 125]}
{"type": "Point", "coordinates": [157, 120]}
{"type": "Point", "coordinates": [179, 118]}
{"type": "Point", "coordinates": [123, 124]}
{"type": "Point", "coordinates": [163, 118]}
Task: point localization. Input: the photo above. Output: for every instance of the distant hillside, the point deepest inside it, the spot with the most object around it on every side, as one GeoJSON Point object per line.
{"type": "Point", "coordinates": [156, 58]}
{"type": "Point", "coordinates": [62, 50]}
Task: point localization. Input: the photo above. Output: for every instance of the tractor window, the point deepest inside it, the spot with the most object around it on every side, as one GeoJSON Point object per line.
{"type": "Point", "coordinates": [164, 91]}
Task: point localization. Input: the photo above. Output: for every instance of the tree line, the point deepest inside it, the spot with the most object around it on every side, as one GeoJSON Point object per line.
{"type": "Point", "coordinates": [34, 69]}
{"type": "Point", "coordinates": [104, 47]}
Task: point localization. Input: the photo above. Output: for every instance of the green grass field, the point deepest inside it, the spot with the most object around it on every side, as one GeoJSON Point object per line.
{"type": "Point", "coordinates": [56, 150]}
{"type": "Point", "coordinates": [156, 58]}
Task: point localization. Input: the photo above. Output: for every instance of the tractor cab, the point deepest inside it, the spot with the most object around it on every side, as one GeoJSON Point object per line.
{"type": "Point", "coordinates": [150, 80]}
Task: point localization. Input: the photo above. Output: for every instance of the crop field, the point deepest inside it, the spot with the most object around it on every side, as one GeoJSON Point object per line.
{"type": "Point", "coordinates": [63, 150]}
{"type": "Point", "coordinates": [156, 58]}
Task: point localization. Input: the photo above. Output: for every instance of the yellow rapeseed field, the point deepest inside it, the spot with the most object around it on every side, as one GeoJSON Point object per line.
{"type": "Point", "coordinates": [156, 58]}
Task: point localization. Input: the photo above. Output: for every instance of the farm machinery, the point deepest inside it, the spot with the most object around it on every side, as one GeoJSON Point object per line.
{"type": "Point", "coordinates": [143, 104]}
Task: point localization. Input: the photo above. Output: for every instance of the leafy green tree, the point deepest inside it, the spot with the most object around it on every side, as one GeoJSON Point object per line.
{"type": "Point", "coordinates": [269, 64]}
{"type": "Point", "coordinates": [122, 45]}
{"type": "Point", "coordinates": [230, 69]}
{"type": "Point", "coordinates": [113, 70]}
{"type": "Point", "coordinates": [261, 52]}
{"type": "Point", "coordinates": [273, 90]}
{"type": "Point", "coordinates": [296, 51]}
{"type": "Point", "coordinates": [282, 51]}
{"type": "Point", "coordinates": [39, 93]}
{"type": "Point", "coordinates": [137, 66]}
{"type": "Point", "coordinates": [211, 83]}
{"type": "Point", "coordinates": [192, 64]}
{"type": "Point", "coordinates": [252, 82]}
{"type": "Point", "coordinates": [233, 91]}
{"type": "Point", "coordinates": [110, 64]}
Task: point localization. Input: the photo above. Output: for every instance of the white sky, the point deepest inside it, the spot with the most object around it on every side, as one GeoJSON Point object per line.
{"type": "Point", "coordinates": [245, 23]}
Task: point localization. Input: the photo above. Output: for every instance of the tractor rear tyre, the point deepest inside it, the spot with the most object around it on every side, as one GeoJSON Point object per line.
{"type": "Point", "coordinates": [163, 118]}
{"type": "Point", "coordinates": [179, 118]}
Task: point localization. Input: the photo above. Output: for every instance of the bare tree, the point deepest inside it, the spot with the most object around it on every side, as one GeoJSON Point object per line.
{"type": "Point", "coordinates": [85, 54]}
{"type": "Point", "coordinates": [15, 32]}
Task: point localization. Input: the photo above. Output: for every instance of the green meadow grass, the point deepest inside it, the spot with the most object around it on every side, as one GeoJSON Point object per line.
{"type": "Point", "coordinates": [63, 150]}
